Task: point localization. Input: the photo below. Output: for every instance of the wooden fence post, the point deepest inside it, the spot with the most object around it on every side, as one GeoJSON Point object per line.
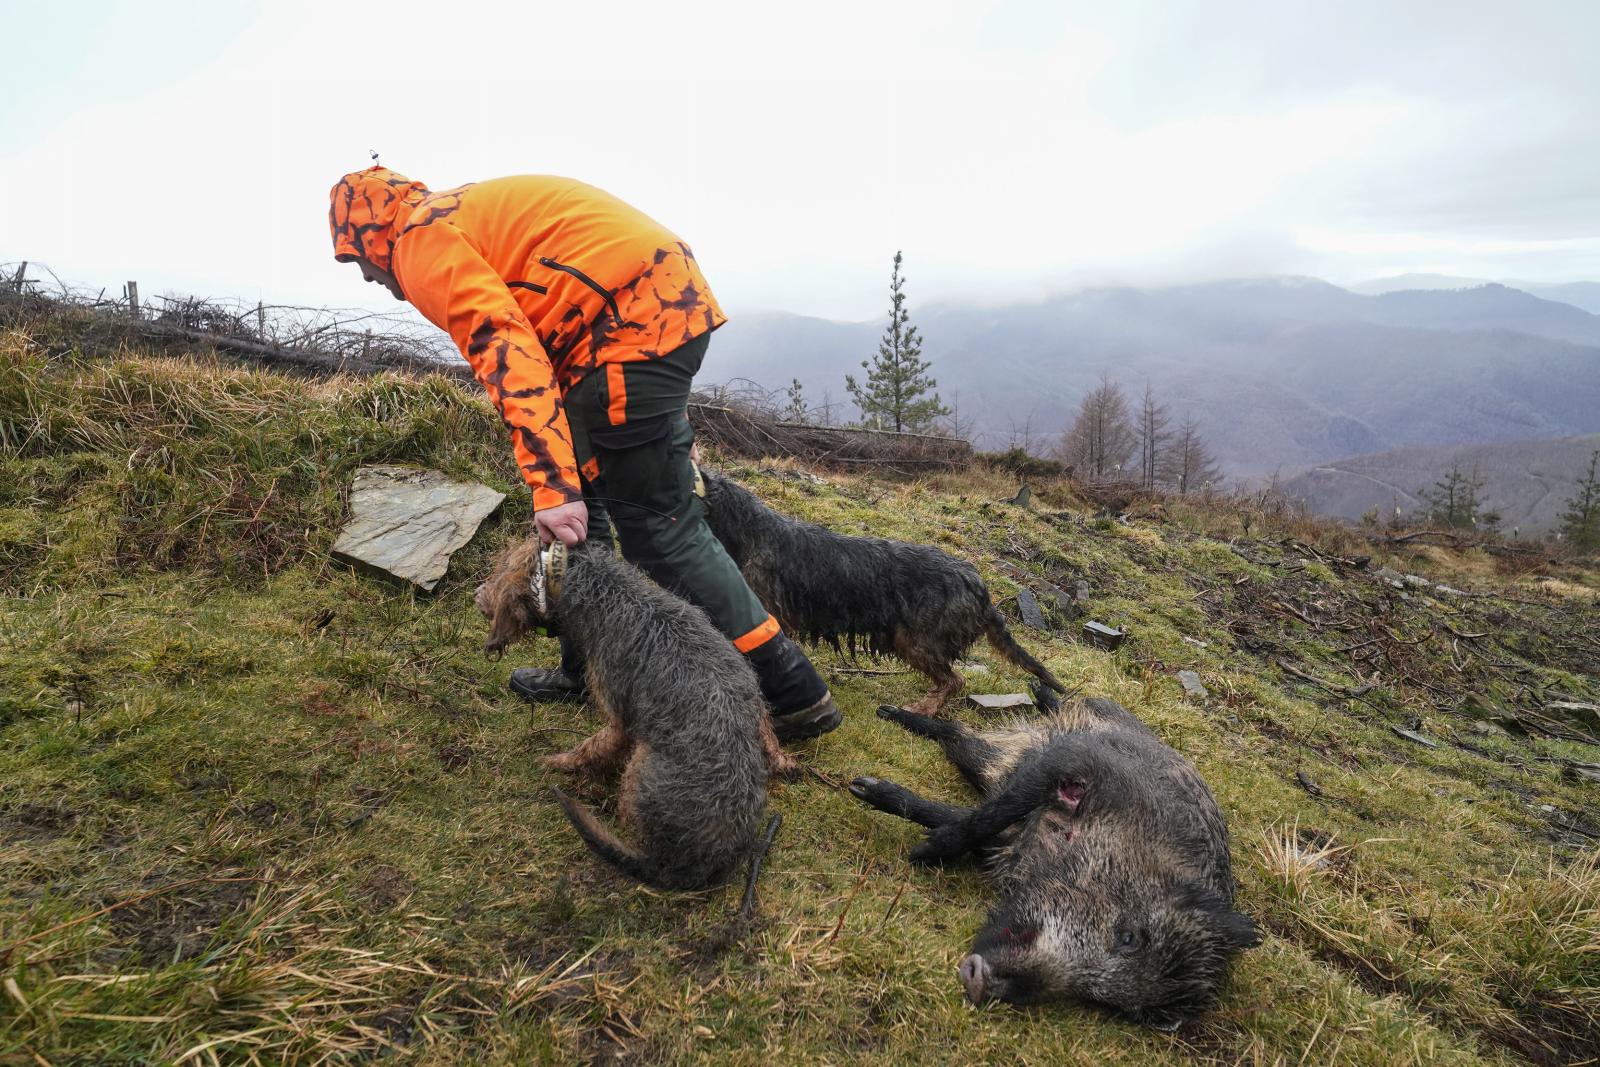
{"type": "Point", "coordinates": [133, 299]}
{"type": "Point", "coordinates": [366, 345]}
{"type": "Point", "coordinates": [261, 321]}
{"type": "Point", "coordinates": [19, 279]}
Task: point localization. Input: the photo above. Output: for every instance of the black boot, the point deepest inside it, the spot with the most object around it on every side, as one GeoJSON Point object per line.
{"type": "Point", "coordinates": [543, 684]}
{"type": "Point", "coordinates": [801, 705]}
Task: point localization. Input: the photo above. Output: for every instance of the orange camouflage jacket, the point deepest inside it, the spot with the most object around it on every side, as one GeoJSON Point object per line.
{"type": "Point", "coordinates": [539, 280]}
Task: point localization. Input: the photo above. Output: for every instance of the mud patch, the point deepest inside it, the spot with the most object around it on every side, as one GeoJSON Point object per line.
{"type": "Point", "coordinates": [1550, 1035]}
{"type": "Point", "coordinates": [176, 927]}
{"type": "Point", "coordinates": [384, 885]}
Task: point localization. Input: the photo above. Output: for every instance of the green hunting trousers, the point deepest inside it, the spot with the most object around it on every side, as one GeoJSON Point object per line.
{"type": "Point", "coordinates": [631, 434]}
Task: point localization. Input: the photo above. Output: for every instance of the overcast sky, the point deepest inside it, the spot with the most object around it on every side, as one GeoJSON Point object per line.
{"type": "Point", "coordinates": [1009, 148]}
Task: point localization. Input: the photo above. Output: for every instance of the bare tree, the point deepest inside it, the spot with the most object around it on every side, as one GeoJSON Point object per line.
{"type": "Point", "coordinates": [1191, 465]}
{"type": "Point", "coordinates": [1153, 436]}
{"type": "Point", "coordinates": [1021, 436]}
{"type": "Point", "coordinates": [1102, 439]}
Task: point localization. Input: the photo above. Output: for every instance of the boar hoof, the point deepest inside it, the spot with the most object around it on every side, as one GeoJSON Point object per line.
{"type": "Point", "coordinates": [864, 787]}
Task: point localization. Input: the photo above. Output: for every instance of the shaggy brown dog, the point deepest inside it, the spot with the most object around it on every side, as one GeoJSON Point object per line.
{"type": "Point", "coordinates": [684, 716]}
{"type": "Point", "coordinates": [914, 601]}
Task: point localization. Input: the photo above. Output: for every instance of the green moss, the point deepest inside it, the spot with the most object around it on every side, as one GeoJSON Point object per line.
{"type": "Point", "coordinates": [365, 852]}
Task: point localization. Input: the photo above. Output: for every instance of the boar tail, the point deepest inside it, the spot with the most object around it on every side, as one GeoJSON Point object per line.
{"type": "Point", "coordinates": [605, 844]}
{"type": "Point", "coordinates": [999, 634]}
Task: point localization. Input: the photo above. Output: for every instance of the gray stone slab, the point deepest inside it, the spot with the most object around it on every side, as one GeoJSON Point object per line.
{"type": "Point", "coordinates": [999, 701]}
{"type": "Point", "coordinates": [408, 521]}
{"type": "Point", "coordinates": [1100, 634]}
{"type": "Point", "coordinates": [1032, 614]}
{"type": "Point", "coordinates": [1192, 684]}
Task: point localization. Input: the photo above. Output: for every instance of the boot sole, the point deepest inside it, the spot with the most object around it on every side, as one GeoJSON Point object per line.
{"type": "Point", "coordinates": [805, 730]}
{"type": "Point", "coordinates": [548, 694]}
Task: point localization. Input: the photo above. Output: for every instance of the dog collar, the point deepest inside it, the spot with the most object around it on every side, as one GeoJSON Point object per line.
{"type": "Point", "coordinates": [549, 569]}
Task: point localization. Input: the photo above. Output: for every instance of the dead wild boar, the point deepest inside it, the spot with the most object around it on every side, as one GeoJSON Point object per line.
{"type": "Point", "coordinates": [1110, 854]}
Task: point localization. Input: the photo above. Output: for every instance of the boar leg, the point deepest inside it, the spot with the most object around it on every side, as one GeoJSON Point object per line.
{"type": "Point", "coordinates": [976, 758]}
{"type": "Point", "coordinates": [898, 800]}
{"type": "Point", "coordinates": [1035, 782]}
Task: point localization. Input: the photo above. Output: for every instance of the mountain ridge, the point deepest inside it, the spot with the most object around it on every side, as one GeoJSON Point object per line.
{"type": "Point", "coordinates": [1282, 373]}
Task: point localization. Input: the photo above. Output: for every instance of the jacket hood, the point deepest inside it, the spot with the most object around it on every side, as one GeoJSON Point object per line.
{"type": "Point", "coordinates": [366, 212]}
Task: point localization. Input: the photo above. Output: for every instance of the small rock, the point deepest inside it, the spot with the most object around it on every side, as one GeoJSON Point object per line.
{"type": "Point", "coordinates": [1582, 772]}
{"type": "Point", "coordinates": [1585, 714]}
{"type": "Point", "coordinates": [1192, 685]}
{"type": "Point", "coordinates": [999, 701]}
{"type": "Point", "coordinates": [1488, 729]}
{"type": "Point", "coordinates": [1028, 605]}
{"type": "Point", "coordinates": [1058, 595]}
{"type": "Point", "coordinates": [1102, 635]}
{"type": "Point", "coordinates": [969, 667]}
{"type": "Point", "coordinates": [1511, 725]}
{"type": "Point", "coordinates": [1412, 735]}
{"type": "Point", "coordinates": [1024, 497]}
{"type": "Point", "coordinates": [1081, 590]}
{"type": "Point", "coordinates": [1307, 784]}
{"type": "Point", "coordinates": [1196, 642]}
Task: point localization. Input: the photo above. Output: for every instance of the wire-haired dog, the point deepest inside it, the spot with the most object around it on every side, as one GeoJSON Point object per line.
{"type": "Point", "coordinates": [684, 715]}
{"type": "Point", "coordinates": [913, 601]}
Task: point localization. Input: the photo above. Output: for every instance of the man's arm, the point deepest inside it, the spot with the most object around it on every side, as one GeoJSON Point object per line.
{"type": "Point", "coordinates": [446, 279]}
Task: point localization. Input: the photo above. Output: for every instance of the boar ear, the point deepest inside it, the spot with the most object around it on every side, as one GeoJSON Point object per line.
{"type": "Point", "coordinates": [1238, 929]}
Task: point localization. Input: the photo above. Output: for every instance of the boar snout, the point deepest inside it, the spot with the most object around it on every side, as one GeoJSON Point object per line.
{"type": "Point", "coordinates": [974, 972]}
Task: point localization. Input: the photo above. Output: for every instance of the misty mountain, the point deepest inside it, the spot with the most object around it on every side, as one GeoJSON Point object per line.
{"type": "Point", "coordinates": [1528, 482]}
{"type": "Point", "coordinates": [1582, 295]}
{"type": "Point", "coordinates": [1282, 373]}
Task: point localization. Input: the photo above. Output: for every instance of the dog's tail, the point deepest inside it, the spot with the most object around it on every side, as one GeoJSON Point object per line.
{"type": "Point", "coordinates": [605, 844]}
{"type": "Point", "coordinates": [999, 634]}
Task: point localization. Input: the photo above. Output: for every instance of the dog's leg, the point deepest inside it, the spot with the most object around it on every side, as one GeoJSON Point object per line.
{"type": "Point", "coordinates": [628, 789]}
{"type": "Point", "coordinates": [779, 763]}
{"type": "Point", "coordinates": [946, 681]}
{"type": "Point", "coordinates": [597, 755]}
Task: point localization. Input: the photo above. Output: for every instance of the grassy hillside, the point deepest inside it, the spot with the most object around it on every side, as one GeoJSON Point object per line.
{"type": "Point", "coordinates": [254, 806]}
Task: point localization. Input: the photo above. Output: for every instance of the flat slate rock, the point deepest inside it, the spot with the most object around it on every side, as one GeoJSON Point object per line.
{"type": "Point", "coordinates": [408, 521]}
{"type": "Point", "coordinates": [1192, 684]}
{"type": "Point", "coordinates": [1032, 614]}
{"type": "Point", "coordinates": [1104, 636]}
{"type": "Point", "coordinates": [999, 701]}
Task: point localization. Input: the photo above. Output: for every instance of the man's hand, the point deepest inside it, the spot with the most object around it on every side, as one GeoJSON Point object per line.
{"type": "Point", "coordinates": [568, 523]}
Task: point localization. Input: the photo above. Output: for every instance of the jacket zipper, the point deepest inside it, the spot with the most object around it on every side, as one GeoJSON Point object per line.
{"type": "Point", "coordinates": [605, 294]}
{"type": "Point", "coordinates": [535, 286]}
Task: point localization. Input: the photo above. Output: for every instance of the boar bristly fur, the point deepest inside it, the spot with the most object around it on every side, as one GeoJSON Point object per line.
{"type": "Point", "coordinates": [1109, 852]}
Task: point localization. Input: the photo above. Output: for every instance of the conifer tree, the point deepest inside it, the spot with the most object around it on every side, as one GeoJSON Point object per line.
{"type": "Point", "coordinates": [1453, 501]}
{"type": "Point", "coordinates": [896, 394]}
{"type": "Point", "coordinates": [795, 410]}
{"type": "Point", "coordinates": [1580, 523]}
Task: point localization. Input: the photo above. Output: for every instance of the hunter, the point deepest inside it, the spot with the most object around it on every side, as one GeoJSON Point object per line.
{"type": "Point", "coordinates": [585, 321]}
